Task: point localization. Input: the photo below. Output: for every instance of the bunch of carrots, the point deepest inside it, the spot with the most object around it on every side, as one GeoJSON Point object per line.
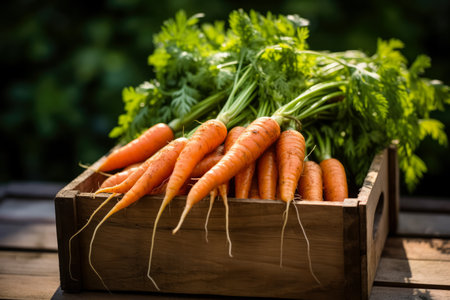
{"type": "Point", "coordinates": [280, 147]}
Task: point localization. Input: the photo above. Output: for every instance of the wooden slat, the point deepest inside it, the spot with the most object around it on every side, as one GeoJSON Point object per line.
{"type": "Point", "coordinates": [27, 210]}
{"type": "Point", "coordinates": [42, 190]}
{"type": "Point", "coordinates": [424, 224]}
{"type": "Point", "coordinates": [417, 248]}
{"type": "Point", "coordinates": [34, 236]}
{"type": "Point", "coordinates": [425, 204]}
{"type": "Point", "coordinates": [413, 273]}
{"type": "Point", "coordinates": [394, 293]}
{"type": "Point", "coordinates": [28, 263]}
{"type": "Point", "coordinates": [28, 286]}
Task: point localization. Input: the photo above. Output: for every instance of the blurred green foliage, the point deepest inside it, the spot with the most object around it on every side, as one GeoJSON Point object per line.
{"type": "Point", "coordinates": [65, 64]}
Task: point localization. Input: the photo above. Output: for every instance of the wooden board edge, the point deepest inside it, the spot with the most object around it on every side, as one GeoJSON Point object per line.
{"type": "Point", "coordinates": [65, 212]}
{"type": "Point", "coordinates": [352, 257]}
{"type": "Point", "coordinates": [394, 188]}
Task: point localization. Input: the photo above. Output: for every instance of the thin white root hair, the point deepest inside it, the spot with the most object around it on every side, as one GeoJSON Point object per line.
{"type": "Point", "coordinates": [225, 203]}
{"type": "Point", "coordinates": [81, 229]}
{"type": "Point", "coordinates": [211, 203]}
{"type": "Point", "coordinates": [308, 248]}
{"type": "Point", "coordinates": [285, 218]}
{"type": "Point", "coordinates": [90, 254]}
{"type": "Point", "coordinates": [94, 170]}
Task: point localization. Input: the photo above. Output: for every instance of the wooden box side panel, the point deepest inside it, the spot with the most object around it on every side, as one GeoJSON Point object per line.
{"type": "Point", "coordinates": [186, 263]}
{"type": "Point", "coordinates": [374, 217]}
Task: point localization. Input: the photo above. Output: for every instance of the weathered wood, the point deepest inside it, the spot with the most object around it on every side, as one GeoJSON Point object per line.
{"type": "Point", "coordinates": [28, 286]}
{"type": "Point", "coordinates": [374, 219]}
{"type": "Point", "coordinates": [394, 188]}
{"type": "Point", "coordinates": [352, 255]}
{"type": "Point", "coordinates": [391, 293]}
{"type": "Point", "coordinates": [424, 224]}
{"type": "Point", "coordinates": [417, 248]}
{"type": "Point", "coordinates": [28, 263]}
{"type": "Point", "coordinates": [185, 263]}
{"type": "Point", "coordinates": [66, 226]}
{"type": "Point", "coordinates": [30, 189]}
{"type": "Point", "coordinates": [425, 204]}
{"type": "Point", "coordinates": [27, 210]}
{"type": "Point", "coordinates": [28, 235]}
{"type": "Point", "coordinates": [413, 273]}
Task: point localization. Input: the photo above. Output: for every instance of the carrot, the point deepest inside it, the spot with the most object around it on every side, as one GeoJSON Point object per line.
{"type": "Point", "coordinates": [139, 149]}
{"type": "Point", "coordinates": [290, 151]}
{"type": "Point", "coordinates": [267, 174]}
{"type": "Point", "coordinates": [334, 180]}
{"type": "Point", "coordinates": [256, 138]}
{"type": "Point", "coordinates": [254, 191]}
{"type": "Point", "coordinates": [243, 179]}
{"type": "Point", "coordinates": [310, 185]}
{"type": "Point", "coordinates": [205, 139]}
{"type": "Point", "coordinates": [160, 167]}
{"type": "Point", "coordinates": [119, 177]}
{"type": "Point", "coordinates": [208, 162]}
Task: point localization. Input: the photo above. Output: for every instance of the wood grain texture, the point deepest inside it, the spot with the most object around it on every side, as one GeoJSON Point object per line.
{"type": "Point", "coordinates": [424, 224]}
{"type": "Point", "coordinates": [185, 263]}
{"type": "Point", "coordinates": [394, 188]}
{"type": "Point", "coordinates": [390, 293]}
{"type": "Point", "coordinates": [28, 235]}
{"type": "Point", "coordinates": [374, 219]}
{"type": "Point", "coordinates": [417, 248]}
{"type": "Point", "coordinates": [413, 273]}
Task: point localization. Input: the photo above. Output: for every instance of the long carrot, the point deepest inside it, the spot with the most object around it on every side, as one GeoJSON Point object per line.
{"type": "Point", "coordinates": [290, 151]}
{"type": "Point", "coordinates": [256, 138]}
{"type": "Point", "coordinates": [334, 180]}
{"type": "Point", "coordinates": [310, 185]}
{"type": "Point", "coordinates": [254, 191]}
{"type": "Point", "coordinates": [243, 179]}
{"type": "Point", "coordinates": [160, 167]}
{"type": "Point", "coordinates": [205, 139]}
{"type": "Point", "coordinates": [267, 174]}
{"type": "Point", "coordinates": [139, 149]}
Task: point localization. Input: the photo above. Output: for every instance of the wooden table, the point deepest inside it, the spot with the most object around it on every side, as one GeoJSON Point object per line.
{"type": "Point", "coordinates": [415, 263]}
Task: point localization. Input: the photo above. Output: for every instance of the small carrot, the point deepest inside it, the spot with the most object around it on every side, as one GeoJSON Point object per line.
{"type": "Point", "coordinates": [160, 167]}
{"type": "Point", "coordinates": [310, 185]}
{"type": "Point", "coordinates": [119, 177]}
{"type": "Point", "coordinates": [267, 174]}
{"type": "Point", "coordinates": [334, 180]}
{"type": "Point", "coordinates": [256, 138]}
{"type": "Point", "coordinates": [139, 149]}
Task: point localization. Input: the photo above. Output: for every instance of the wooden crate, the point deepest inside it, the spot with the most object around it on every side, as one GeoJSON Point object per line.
{"type": "Point", "coordinates": [346, 241]}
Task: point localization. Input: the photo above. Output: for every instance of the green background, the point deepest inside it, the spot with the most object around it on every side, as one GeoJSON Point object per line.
{"type": "Point", "coordinates": [65, 63]}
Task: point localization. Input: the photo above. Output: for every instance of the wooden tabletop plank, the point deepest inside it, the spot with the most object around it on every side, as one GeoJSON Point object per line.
{"type": "Point", "coordinates": [28, 263]}
{"type": "Point", "coordinates": [424, 224]}
{"type": "Point", "coordinates": [32, 189]}
{"type": "Point", "coordinates": [425, 204]}
{"type": "Point", "coordinates": [28, 286]}
{"type": "Point", "coordinates": [28, 236]}
{"type": "Point", "coordinates": [413, 273]}
{"type": "Point", "coordinates": [27, 210]}
{"type": "Point", "coordinates": [396, 293]}
{"type": "Point", "coordinates": [417, 248]}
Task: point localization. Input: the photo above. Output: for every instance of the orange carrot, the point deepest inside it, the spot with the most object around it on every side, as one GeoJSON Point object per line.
{"type": "Point", "coordinates": [160, 167]}
{"type": "Point", "coordinates": [267, 174]}
{"type": "Point", "coordinates": [256, 138]}
{"type": "Point", "coordinates": [254, 191]}
{"type": "Point", "coordinates": [243, 179]}
{"type": "Point", "coordinates": [205, 139]}
{"type": "Point", "coordinates": [208, 162]}
{"type": "Point", "coordinates": [310, 185]}
{"type": "Point", "coordinates": [290, 155]}
{"type": "Point", "coordinates": [290, 150]}
{"type": "Point", "coordinates": [119, 177]}
{"type": "Point", "coordinates": [139, 149]}
{"type": "Point", "coordinates": [334, 180]}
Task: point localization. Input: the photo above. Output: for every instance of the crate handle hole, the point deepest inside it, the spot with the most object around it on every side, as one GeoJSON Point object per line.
{"type": "Point", "coordinates": [377, 216]}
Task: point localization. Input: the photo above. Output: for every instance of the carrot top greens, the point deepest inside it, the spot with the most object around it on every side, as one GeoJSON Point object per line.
{"type": "Point", "coordinates": [256, 65]}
